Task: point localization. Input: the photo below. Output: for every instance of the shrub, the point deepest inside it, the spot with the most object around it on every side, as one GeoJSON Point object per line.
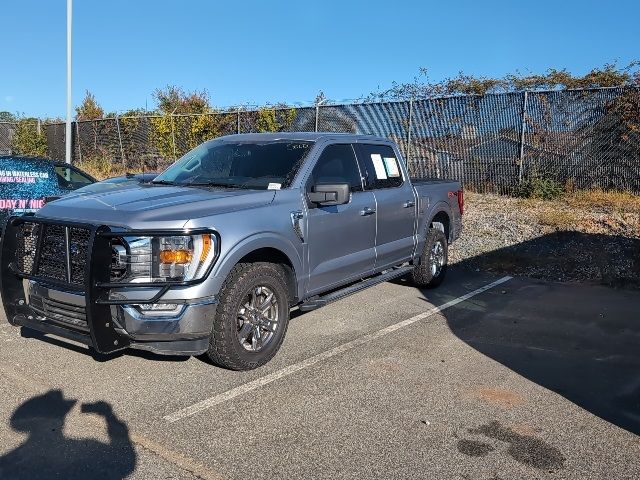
{"type": "Point", "coordinates": [101, 167]}
{"type": "Point", "coordinates": [278, 119]}
{"type": "Point", "coordinates": [543, 188]}
{"type": "Point", "coordinates": [29, 138]}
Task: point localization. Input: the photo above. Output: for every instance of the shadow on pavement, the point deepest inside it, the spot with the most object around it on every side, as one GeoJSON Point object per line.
{"type": "Point", "coordinates": [99, 357]}
{"type": "Point", "coordinates": [47, 453]}
{"type": "Point", "coordinates": [581, 341]}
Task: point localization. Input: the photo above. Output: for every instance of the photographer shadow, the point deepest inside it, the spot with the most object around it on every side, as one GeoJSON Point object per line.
{"type": "Point", "coordinates": [47, 453]}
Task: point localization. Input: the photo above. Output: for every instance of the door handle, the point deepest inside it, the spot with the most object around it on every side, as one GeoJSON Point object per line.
{"type": "Point", "coordinates": [408, 204]}
{"type": "Point", "coordinates": [367, 211]}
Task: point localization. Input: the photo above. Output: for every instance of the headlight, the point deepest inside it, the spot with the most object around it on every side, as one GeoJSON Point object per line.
{"type": "Point", "coordinates": [174, 258]}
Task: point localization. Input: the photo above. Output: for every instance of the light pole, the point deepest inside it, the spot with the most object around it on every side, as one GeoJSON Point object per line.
{"type": "Point", "coordinates": [68, 135]}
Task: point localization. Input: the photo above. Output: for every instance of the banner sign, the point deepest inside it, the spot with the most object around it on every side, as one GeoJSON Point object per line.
{"type": "Point", "coordinates": [24, 184]}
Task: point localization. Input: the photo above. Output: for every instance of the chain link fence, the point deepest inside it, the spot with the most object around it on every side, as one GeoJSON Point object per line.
{"type": "Point", "coordinates": [492, 143]}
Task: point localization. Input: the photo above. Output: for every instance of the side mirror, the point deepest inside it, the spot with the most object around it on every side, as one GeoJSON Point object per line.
{"type": "Point", "coordinates": [330, 194]}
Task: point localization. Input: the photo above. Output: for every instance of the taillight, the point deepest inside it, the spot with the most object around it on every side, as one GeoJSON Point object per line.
{"type": "Point", "coordinates": [460, 195]}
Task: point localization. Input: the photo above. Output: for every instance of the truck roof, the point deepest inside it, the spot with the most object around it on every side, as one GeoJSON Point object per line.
{"type": "Point", "coordinates": [309, 136]}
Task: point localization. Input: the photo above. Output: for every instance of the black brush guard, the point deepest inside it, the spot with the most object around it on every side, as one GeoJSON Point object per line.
{"type": "Point", "coordinates": [104, 336]}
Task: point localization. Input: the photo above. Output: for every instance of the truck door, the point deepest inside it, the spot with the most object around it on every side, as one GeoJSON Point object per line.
{"type": "Point", "coordinates": [341, 238]}
{"type": "Point", "coordinates": [396, 213]}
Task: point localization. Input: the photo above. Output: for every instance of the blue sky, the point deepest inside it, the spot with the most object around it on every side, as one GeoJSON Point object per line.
{"type": "Point", "coordinates": [268, 51]}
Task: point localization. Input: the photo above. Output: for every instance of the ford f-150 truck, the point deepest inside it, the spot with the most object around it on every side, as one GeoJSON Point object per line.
{"type": "Point", "coordinates": [211, 256]}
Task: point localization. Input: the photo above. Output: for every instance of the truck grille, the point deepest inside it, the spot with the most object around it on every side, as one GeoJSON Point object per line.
{"type": "Point", "coordinates": [60, 312]}
{"type": "Point", "coordinates": [62, 252]}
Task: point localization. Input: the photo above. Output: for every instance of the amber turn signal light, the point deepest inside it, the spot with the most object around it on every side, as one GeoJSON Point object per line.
{"type": "Point", "coordinates": [180, 257]}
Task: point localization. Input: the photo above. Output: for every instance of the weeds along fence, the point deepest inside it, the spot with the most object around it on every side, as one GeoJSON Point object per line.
{"type": "Point", "coordinates": [492, 143]}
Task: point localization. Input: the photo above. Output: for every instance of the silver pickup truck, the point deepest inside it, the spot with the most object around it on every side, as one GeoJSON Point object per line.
{"type": "Point", "coordinates": [211, 256]}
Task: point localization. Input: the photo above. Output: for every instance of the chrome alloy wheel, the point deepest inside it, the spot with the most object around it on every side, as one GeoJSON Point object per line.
{"type": "Point", "coordinates": [257, 318]}
{"type": "Point", "coordinates": [436, 258]}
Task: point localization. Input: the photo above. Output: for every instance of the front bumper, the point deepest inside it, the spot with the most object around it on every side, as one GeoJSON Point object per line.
{"type": "Point", "coordinates": [187, 331]}
{"type": "Point", "coordinates": [87, 310]}
{"type": "Point", "coordinates": [63, 314]}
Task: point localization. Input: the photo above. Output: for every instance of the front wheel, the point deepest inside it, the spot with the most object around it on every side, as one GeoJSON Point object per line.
{"type": "Point", "coordinates": [433, 262]}
{"type": "Point", "coordinates": [251, 318]}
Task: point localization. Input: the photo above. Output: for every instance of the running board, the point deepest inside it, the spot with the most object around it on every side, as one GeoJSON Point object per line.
{"type": "Point", "coordinates": [321, 301]}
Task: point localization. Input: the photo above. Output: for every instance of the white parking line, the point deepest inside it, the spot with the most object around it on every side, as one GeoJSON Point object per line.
{"type": "Point", "coordinates": [272, 377]}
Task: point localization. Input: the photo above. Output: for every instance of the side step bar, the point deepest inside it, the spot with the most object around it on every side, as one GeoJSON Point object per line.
{"type": "Point", "coordinates": [322, 300]}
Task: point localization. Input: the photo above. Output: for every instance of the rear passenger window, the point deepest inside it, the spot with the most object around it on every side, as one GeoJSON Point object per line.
{"type": "Point", "coordinates": [337, 164]}
{"type": "Point", "coordinates": [382, 167]}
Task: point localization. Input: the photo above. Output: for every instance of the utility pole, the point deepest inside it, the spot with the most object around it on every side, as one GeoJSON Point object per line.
{"type": "Point", "coordinates": [68, 136]}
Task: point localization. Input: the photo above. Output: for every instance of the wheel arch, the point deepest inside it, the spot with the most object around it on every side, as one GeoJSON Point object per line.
{"type": "Point", "coordinates": [441, 218]}
{"type": "Point", "coordinates": [264, 248]}
{"type": "Point", "coordinates": [439, 213]}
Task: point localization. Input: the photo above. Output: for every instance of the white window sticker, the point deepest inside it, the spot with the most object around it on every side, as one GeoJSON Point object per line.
{"type": "Point", "coordinates": [274, 186]}
{"type": "Point", "coordinates": [391, 164]}
{"type": "Point", "coordinates": [381, 173]}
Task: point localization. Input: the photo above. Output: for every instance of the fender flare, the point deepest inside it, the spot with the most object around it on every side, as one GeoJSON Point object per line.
{"type": "Point", "coordinates": [435, 210]}
{"type": "Point", "coordinates": [225, 264]}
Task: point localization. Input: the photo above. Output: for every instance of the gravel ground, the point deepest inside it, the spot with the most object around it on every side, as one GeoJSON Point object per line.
{"type": "Point", "coordinates": [561, 240]}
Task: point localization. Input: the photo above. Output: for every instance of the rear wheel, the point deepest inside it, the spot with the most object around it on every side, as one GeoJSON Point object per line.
{"type": "Point", "coordinates": [433, 262]}
{"type": "Point", "coordinates": [251, 318]}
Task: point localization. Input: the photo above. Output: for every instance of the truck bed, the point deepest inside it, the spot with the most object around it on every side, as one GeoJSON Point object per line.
{"type": "Point", "coordinates": [431, 181]}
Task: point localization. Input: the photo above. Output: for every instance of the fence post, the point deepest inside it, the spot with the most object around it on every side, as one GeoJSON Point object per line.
{"type": "Point", "coordinates": [78, 140]}
{"type": "Point", "coordinates": [238, 122]}
{"type": "Point", "coordinates": [522, 129]}
{"type": "Point", "coordinates": [173, 136]}
{"type": "Point", "coordinates": [408, 151]}
{"type": "Point", "coordinates": [318, 112]}
{"type": "Point", "coordinates": [120, 140]}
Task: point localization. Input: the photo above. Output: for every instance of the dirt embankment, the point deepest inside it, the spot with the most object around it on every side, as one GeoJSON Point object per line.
{"type": "Point", "coordinates": [585, 236]}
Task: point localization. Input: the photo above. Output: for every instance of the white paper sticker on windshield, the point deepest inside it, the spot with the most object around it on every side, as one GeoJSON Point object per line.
{"type": "Point", "coordinates": [274, 186]}
{"type": "Point", "coordinates": [381, 173]}
{"type": "Point", "coordinates": [391, 164]}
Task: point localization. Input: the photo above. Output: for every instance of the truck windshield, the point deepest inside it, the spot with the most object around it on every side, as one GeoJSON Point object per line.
{"type": "Point", "coordinates": [254, 165]}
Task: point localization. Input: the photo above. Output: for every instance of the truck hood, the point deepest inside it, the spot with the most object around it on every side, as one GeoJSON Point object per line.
{"type": "Point", "coordinates": [149, 203]}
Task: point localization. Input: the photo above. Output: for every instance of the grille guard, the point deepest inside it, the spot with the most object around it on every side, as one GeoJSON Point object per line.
{"type": "Point", "coordinates": [104, 336]}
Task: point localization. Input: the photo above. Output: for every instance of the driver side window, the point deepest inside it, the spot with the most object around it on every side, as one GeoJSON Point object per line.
{"type": "Point", "coordinates": [337, 164]}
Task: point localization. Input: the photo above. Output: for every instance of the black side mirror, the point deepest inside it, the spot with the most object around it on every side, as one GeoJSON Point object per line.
{"type": "Point", "coordinates": [330, 194]}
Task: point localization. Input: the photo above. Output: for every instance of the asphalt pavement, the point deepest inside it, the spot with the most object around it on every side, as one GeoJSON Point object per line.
{"type": "Point", "coordinates": [483, 378]}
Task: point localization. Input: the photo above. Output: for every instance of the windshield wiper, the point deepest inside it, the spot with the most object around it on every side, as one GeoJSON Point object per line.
{"type": "Point", "coordinates": [197, 184]}
{"type": "Point", "coordinates": [213, 184]}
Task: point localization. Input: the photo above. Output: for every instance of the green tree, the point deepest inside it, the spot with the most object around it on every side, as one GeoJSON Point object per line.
{"type": "Point", "coordinates": [29, 138]}
{"type": "Point", "coordinates": [276, 119]}
{"type": "Point", "coordinates": [609, 75]}
{"type": "Point", "coordinates": [89, 109]}
{"type": "Point", "coordinates": [7, 117]}
{"type": "Point", "coordinates": [172, 99]}
{"type": "Point", "coordinates": [184, 120]}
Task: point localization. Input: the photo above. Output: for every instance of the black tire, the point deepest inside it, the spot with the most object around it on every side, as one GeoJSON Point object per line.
{"type": "Point", "coordinates": [225, 348]}
{"type": "Point", "coordinates": [423, 274]}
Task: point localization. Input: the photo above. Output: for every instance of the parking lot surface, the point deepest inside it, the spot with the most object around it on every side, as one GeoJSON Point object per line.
{"type": "Point", "coordinates": [482, 378]}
